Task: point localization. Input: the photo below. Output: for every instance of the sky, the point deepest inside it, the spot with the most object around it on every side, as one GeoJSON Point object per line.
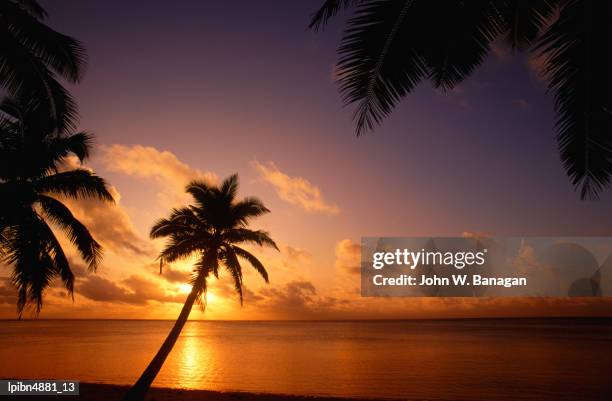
{"type": "Point", "coordinates": [207, 89]}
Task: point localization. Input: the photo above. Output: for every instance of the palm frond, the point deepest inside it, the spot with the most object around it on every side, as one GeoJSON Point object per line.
{"type": "Point", "coordinates": [199, 285]}
{"type": "Point", "coordinates": [577, 69]}
{"type": "Point", "coordinates": [77, 184]}
{"type": "Point", "coordinates": [181, 221]}
{"type": "Point", "coordinates": [79, 235]}
{"type": "Point", "coordinates": [63, 109]}
{"type": "Point", "coordinates": [524, 20]}
{"type": "Point", "coordinates": [244, 235]}
{"type": "Point", "coordinates": [455, 37]}
{"type": "Point", "coordinates": [161, 228]}
{"type": "Point", "coordinates": [246, 209]}
{"type": "Point", "coordinates": [198, 190]}
{"type": "Point", "coordinates": [79, 144]}
{"type": "Point", "coordinates": [208, 263]}
{"type": "Point", "coordinates": [28, 77]}
{"type": "Point", "coordinates": [30, 144]}
{"type": "Point", "coordinates": [3, 238]}
{"type": "Point", "coordinates": [58, 257]}
{"type": "Point", "coordinates": [328, 10]}
{"type": "Point", "coordinates": [249, 257]}
{"type": "Point", "coordinates": [210, 228]}
{"type": "Point", "coordinates": [378, 60]}
{"type": "Point", "coordinates": [12, 107]}
{"type": "Point", "coordinates": [61, 52]}
{"type": "Point", "coordinates": [180, 247]}
{"type": "Point", "coordinates": [233, 266]}
{"type": "Point", "coordinates": [32, 7]}
{"type": "Point", "coordinates": [32, 282]}
{"type": "Point", "coordinates": [29, 248]}
{"type": "Point", "coordinates": [229, 187]}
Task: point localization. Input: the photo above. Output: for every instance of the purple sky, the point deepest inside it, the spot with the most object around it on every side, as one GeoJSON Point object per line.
{"type": "Point", "coordinates": [223, 86]}
{"type": "Point", "coordinates": [226, 82]}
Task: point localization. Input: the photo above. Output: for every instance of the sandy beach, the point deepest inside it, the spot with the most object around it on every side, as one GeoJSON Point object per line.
{"type": "Point", "coordinates": [109, 392]}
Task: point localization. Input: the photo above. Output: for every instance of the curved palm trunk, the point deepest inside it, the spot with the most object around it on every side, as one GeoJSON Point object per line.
{"type": "Point", "coordinates": [140, 388]}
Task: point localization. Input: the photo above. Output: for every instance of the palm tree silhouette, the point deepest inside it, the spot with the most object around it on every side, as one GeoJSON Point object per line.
{"type": "Point", "coordinates": [33, 57]}
{"type": "Point", "coordinates": [33, 170]}
{"type": "Point", "coordinates": [213, 230]}
{"type": "Point", "coordinates": [389, 46]}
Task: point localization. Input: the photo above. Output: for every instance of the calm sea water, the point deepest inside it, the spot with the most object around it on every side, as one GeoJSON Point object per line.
{"type": "Point", "coordinates": [434, 360]}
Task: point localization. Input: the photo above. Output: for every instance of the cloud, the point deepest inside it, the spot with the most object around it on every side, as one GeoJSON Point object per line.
{"type": "Point", "coordinates": [475, 234]}
{"type": "Point", "coordinates": [537, 64]}
{"type": "Point", "coordinates": [175, 276]}
{"type": "Point", "coordinates": [296, 298]}
{"type": "Point", "coordinates": [500, 50]}
{"type": "Point", "coordinates": [294, 256]}
{"type": "Point", "coordinates": [136, 290]}
{"type": "Point", "coordinates": [295, 190]}
{"type": "Point", "coordinates": [348, 256]}
{"type": "Point", "coordinates": [8, 293]}
{"type": "Point", "coordinates": [250, 296]}
{"type": "Point", "coordinates": [521, 104]}
{"type": "Point", "coordinates": [145, 289]}
{"type": "Point", "coordinates": [98, 288]}
{"type": "Point", "coordinates": [162, 166]}
{"type": "Point", "coordinates": [109, 223]}
{"type": "Point", "coordinates": [300, 300]}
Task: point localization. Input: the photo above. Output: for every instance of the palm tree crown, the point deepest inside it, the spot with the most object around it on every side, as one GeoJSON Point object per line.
{"type": "Point", "coordinates": [33, 171]}
{"type": "Point", "coordinates": [33, 56]}
{"type": "Point", "coordinates": [214, 229]}
{"type": "Point", "coordinates": [389, 46]}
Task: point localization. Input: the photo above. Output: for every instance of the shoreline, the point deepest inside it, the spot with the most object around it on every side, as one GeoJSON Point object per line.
{"type": "Point", "coordinates": [114, 392]}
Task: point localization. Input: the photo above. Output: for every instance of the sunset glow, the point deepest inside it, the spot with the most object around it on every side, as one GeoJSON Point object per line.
{"type": "Point", "coordinates": [185, 288]}
{"type": "Point", "coordinates": [316, 200]}
{"type": "Point", "coordinates": [171, 115]}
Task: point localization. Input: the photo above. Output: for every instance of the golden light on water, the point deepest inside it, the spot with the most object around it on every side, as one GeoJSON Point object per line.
{"type": "Point", "coordinates": [195, 360]}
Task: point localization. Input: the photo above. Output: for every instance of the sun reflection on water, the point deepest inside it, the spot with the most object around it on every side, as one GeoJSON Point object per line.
{"type": "Point", "coordinates": [195, 359]}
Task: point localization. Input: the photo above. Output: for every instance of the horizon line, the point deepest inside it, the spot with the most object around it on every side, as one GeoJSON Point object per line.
{"type": "Point", "coordinates": [318, 320]}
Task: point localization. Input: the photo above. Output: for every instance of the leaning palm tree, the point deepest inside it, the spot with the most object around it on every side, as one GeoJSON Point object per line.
{"type": "Point", "coordinates": [390, 46]}
{"type": "Point", "coordinates": [33, 56]}
{"type": "Point", "coordinates": [33, 172]}
{"type": "Point", "coordinates": [213, 230]}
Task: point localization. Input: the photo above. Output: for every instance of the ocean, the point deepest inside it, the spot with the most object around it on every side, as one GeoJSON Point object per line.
{"type": "Point", "coordinates": [497, 359]}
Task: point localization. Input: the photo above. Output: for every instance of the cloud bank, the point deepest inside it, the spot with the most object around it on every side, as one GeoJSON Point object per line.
{"type": "Point", "coordinates": [295, 190]}
{"type": "Point", "coordinates": [161, 166]}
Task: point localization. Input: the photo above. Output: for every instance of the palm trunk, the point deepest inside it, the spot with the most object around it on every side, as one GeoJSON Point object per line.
{"type": "Point", "coordinates": [140, 388]}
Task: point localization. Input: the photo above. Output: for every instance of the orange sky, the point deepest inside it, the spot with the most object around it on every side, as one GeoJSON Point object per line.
{"type": "Point", "coordinates": [185, 95]}
{"type": "Point", "coordinates": [317, 278]}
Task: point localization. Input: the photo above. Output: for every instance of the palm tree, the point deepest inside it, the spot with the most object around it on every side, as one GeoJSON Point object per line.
{"type": "Point", "coordinates": [33, 171]}
{"type": "Point", "coordinates": [33, 56]}
{"type": "Point", "coordinates": [389, 46]}
{"type": "Point", "coordinates": [213, 230]}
